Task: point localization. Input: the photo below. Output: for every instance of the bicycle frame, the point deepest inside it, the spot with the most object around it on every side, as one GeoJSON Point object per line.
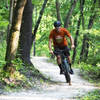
{"type": "Point", "coordinates": [65, 64]}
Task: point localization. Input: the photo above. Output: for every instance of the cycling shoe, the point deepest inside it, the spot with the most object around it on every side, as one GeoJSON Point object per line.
{"type": "Point", "coordinates": [71, 71]}
{"type": "Point", "coordinates": [61, 72]}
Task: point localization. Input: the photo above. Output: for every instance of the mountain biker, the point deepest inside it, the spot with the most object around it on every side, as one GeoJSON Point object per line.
{"type": "Point", "coordinates": [58, 37]}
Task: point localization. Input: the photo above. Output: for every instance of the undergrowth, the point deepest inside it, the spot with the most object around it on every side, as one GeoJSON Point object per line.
{"type": "Point", "coordinates": [90, 72]}
{"type": "Point", "coordinates": [95, 95]}
{"type": "Point", "coordinates": [22, 76]}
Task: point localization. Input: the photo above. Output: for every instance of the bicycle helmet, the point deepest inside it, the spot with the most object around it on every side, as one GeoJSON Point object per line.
{"type": "Point", "coordinates": [57, 23]}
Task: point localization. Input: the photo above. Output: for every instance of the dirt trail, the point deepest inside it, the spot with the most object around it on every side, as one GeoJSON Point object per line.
{"type": "Point", "coordinates": [59, 91]}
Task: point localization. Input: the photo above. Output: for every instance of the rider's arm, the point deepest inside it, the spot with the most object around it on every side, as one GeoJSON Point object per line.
{"type": "Point", "coordinates": [69, 35]}
{"type": "Point", "coordinates": [72, 42]}
{"type": "Point", "coordinates": [50, 46]}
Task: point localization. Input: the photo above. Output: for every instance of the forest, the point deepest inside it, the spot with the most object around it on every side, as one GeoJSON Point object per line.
{"type": "Point", "coordinates": [25, 26]}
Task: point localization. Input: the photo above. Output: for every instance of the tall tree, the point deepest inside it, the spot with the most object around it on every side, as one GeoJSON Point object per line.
{"type": "Point", "coordinates": [67, 19]}
{"type": "Point", "coordinates": [15, 31]}
{"type": "Point", "coordinates": [78, 28]}
{"type": "Point", "coordinates": [58, 10]}
{"type": "Point", "coordinates": [82, 7]}
{"type": "Point", "coordinates": [6, 3]}
{"type": "Point", "coordinates": [75, 40]}
{"type": "Point", "coordinates": [99, 3]}
{"type": "Point", "coordinates": [87, 36]}
{"type": "Point", "coordinates": [85, 45]}
{"type": "Point", "coordinates": [37, 23]}
{"type": "Point", "coordinates": [10, 18]}
{"type": "Point", "coordinates": [26, 33]}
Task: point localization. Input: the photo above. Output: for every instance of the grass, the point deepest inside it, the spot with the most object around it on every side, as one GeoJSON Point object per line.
{"type": "Point", "coordinates": [95, 95]}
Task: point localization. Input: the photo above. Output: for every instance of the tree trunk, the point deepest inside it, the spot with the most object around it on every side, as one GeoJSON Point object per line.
{"type": "Point", "coordinates": [75, 41]}
{"type": "Point", "coordinates": [86, 50]}
{"type": "Point", "coordinates": [99, 3]}
{"type": "Point", "coordinates": [15, 31]}
{"type": "Point", "coordinates": [38, 22]}
{"type": "Point", "coordinates": [87, 38]}
{"type": "Point", "coordinates": [7, 4]}
{"type": "Point", "coordinates": [39, 19]}
{"type": "Point", "coordinates": [15, 3]}
{"type": "Point", "coordinates": [58, 10]}
{"type": "Point", "coordinates": [83, 26]}
{"type": "Point", "coordinates": [10, 18]}
{"type": "Point", "coordinates": [82, 7]}
{"type": "Point", "coordinates": [92, 17]}
{"type": "Point", "coordinates": [26, 33]}
{"type": "Point", "coordinates": [78, 27]}
{"type": "Point", "coordinates": [67, 19]}
{"type": "Point", "coordinates": [12, 3]}
{"type": "Point", "coordinates": [85, 45]}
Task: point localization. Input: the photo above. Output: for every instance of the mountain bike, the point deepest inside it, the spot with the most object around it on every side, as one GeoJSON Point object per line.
{"type": "Point", "coordinates": [64, 64]}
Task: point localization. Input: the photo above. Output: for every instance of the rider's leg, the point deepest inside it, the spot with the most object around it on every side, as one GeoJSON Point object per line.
{"type": "Point", "coordinates": [58, 59]}
{"type": "Point", "coordinates": [69, 61]}
{"type": "Point", "coordinates": [59, 63]}
{"type": "Point", "coordinates": [68, 55]}
{"type": "Point", "coordinates": [70, 83]}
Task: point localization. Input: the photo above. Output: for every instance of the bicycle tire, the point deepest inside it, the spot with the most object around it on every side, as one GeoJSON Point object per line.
{"type": "Point", "coordinates": [66, 74]}
{"type": "Point", "coordinates": [67, 77]}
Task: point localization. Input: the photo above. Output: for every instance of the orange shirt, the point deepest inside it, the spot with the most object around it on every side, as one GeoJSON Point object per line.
{"type": "Point", "coordinates": [59, 38]}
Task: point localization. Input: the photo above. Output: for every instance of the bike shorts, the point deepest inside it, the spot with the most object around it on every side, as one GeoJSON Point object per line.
{"type": "Point", "coordinates": [65, 48]}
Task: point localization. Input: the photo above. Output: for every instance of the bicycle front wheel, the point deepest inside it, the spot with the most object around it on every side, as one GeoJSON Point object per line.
{"type": "Point", "coordinates": [67, 75]}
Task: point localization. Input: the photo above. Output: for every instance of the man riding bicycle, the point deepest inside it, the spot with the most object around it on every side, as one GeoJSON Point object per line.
{"type": "Point", "coordinates": [58, 37]}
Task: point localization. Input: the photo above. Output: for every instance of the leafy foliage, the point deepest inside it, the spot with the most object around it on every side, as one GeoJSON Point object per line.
{"type": "Point", "coordinates": [90, 67]}
{"type": "Point", "coordinates": [2, 53]}
{"type": "Point", "coordinates": [37, 2]}
{"type": "Point", "coordinates": [95, 95]}
{"type": "Point", "coordinates": [90, 71]}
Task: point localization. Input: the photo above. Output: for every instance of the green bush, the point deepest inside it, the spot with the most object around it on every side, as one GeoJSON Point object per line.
{"type": "Point", "coordinates": [90, 70]}
{"type": "Point", "coordinates": [95, 95]}
{"type": "Point", "coordinates": [2, 53]}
